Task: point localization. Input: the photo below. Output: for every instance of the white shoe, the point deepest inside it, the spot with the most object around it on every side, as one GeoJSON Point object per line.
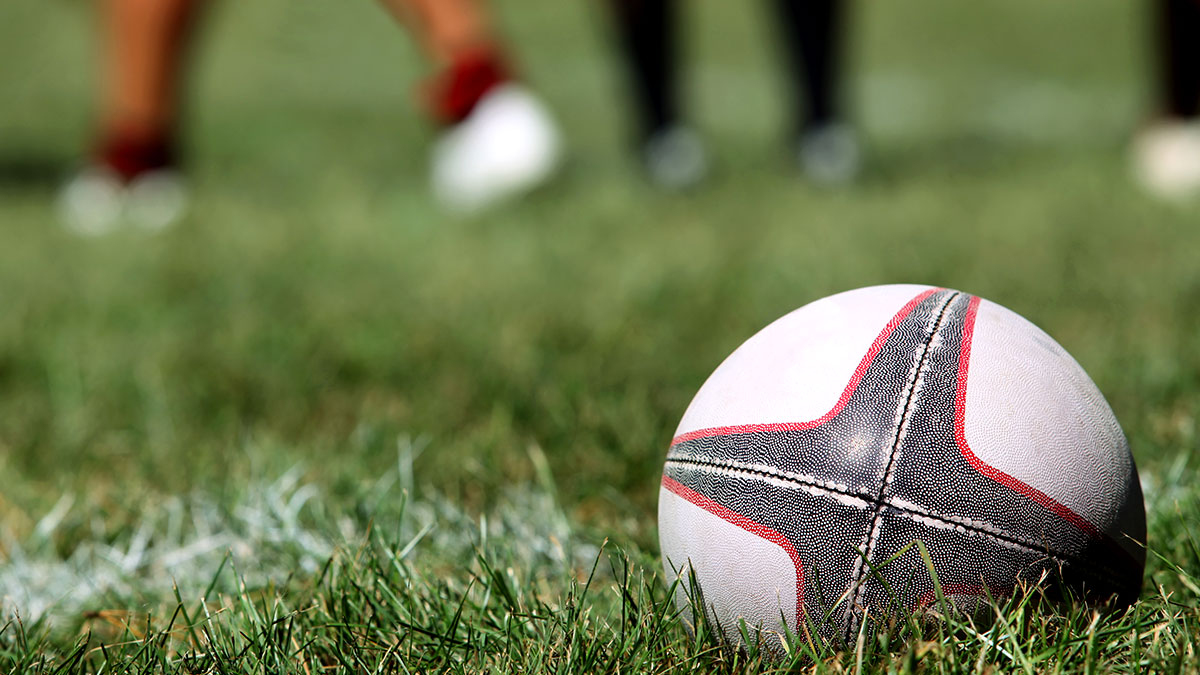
{"type": "Point", "coordinates": [1166, 159]}
{"type": "Point", "coordinates": [156, 200]}
{"type": "Point", "coordinates": [96, 202]}
{"type": "Point", "coordinates": [675, 158]}
{"type": "Point", "coordinates": [91, 202]}
{"type": "Point", "coordinates": [829, 154]}
{"type": "Point", "coordinates": [507, 146]}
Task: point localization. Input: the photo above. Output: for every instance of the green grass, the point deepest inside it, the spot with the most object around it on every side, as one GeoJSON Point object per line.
{"type": "Point", "coordinates": [402, 439]}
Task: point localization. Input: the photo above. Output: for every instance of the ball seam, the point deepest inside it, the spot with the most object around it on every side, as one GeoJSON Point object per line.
{"type": "Point", "coordinates": [731, 468]}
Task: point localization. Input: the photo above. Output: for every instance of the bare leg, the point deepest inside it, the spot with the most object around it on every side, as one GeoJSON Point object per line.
{"type": "Point", "coordinates": [498, 141]}
{"type": "Point", "coordinates": [445, 28]}
{"type": "Point", "coordinates": [458, 38]}
{"type": "Point", "coordinates": [128, 181]}
{"type": "Point", "coordinates": [144, 48]}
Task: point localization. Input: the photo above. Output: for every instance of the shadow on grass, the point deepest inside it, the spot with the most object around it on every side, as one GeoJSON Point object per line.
{"type": "Point", "coordinates": [31, 170]}
{"type": "Point", "coordinates": [964, 154]}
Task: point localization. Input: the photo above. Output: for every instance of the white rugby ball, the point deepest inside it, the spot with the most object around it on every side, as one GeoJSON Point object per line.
{"type": "Point", "coordinates": [865, 421]}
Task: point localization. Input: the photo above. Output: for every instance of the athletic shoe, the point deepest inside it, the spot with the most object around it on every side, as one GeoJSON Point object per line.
{"type": "Point", "coordinates": [828, 154]}
{"type": "Point", "coordinates": [505, 147]}
{"type": "Point", "coordinates": [674, 158]}
{"type": "Point", "coordinates": [96, 201]}
{"type": "Point", "coordinates": [92, 201]}
{"type": "Point", "coordinates": [156, 200]}
{"type": "Point", "coordinates": [1166, 159]}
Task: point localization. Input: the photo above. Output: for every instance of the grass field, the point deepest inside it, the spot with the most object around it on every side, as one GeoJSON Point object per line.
{"type": "Point", "coordinates": [321, 426]}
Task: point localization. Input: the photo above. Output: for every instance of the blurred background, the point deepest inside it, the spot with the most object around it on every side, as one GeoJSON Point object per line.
{"type": "Point", "coordinates": [318, 315]}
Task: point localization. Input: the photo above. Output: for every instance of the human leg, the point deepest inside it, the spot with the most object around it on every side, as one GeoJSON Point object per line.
{"type": "Point", "coordinates": [497, 138]}
{"type": "Point", "coordinates": [1167, 149]}
{"type": "Point", "coordinates": [647, 40]}
{"type": "Point", "coordinates": [1177, 52]}
{"type": "Point", "coordinates": [646, 34]}
{"type": "Point", "coordinates": [131, 176]}
{"type": "Point", "coordinates": [812, 33]}
{"type": "Point", "coordinates": [145, 42]}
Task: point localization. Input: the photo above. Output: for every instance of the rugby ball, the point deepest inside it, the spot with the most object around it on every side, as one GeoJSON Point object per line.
{"type": "Point", "coordinates": [819, 451]}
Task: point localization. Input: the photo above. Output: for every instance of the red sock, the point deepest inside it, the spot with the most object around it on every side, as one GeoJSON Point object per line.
{"type": "Point", "coordinates": [132, 155]}
{"type": "Point", "coordinates": [452, 95]}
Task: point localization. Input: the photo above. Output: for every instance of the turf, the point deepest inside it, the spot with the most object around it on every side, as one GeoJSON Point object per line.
{"type": "Point", "coordinates": [322, 426]}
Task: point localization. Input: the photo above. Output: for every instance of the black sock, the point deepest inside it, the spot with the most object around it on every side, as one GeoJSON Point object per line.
{"type": "Point", "coordinates": [812, 32]}
{"type": "Point", "coordinates": [646, 30]}
{"type": "Point", "coordinates": [1178, 48]}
